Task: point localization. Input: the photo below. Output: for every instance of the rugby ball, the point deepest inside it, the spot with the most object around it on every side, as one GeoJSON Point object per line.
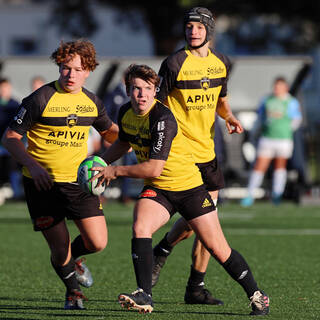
{"type": "Point", "coordinates": [85, 174]}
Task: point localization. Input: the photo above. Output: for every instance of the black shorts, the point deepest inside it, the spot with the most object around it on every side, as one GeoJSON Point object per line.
{"type": "Point", "coordinates": [212, 175]}
{"type": "Point", "coordinates": [190, 203]}
{"type": "Point", "coordinates": [63, 200]}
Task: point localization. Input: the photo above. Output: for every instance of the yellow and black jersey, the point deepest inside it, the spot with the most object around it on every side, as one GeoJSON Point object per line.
{"type": "Point", "coordinates": [156, 135]}
{"type": "Point", "coordinates": [191, 86]}
{"type": "Point", "coordinates": [57, 125]}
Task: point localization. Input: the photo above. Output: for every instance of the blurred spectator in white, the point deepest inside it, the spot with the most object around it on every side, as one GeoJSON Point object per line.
{"type": "Point", "coordinates": [278, 116]}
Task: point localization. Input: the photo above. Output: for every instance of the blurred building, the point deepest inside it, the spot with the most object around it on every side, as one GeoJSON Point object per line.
{"type": "Point", "coordinates": [28, 37]}
{"type": "Point", "coordinates": [27, 28]}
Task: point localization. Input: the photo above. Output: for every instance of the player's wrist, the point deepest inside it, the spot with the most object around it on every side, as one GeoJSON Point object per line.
{"type": "Point", "coordinates": [229, 117]}
{"type": "Point", "coordinates": [116, 171]}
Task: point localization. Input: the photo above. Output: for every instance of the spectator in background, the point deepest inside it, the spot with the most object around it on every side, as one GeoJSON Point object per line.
{"type": "Point", "coordinates": [279, 116]}
{"type": "Point", "coordinates": [113, 101]}
{"type": "Point", "coordinates": [10, 171]}
{"type": "Point", "coordinates": [37, 82]}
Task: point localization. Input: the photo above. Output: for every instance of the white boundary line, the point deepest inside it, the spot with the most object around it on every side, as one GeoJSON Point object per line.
{"type": "Point", "coordinates": [273, 232]}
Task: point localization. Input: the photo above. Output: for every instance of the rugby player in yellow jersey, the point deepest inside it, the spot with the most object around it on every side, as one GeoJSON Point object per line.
{"type": "Point", "coordinates": [173, 183]}
{"type": "Point", "coordinates": [194, 86]}
{"type": "Point", "coordinates": [57, 118]}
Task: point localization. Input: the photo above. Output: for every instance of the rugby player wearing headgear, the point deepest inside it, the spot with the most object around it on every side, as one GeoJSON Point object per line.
{"type": "Point", "coordinates": [56, 119]}
{"type": "Point", "coordinates": [194, 86]}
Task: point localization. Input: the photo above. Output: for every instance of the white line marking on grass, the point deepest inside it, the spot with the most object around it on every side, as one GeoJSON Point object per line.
{"type": "Point", "coordinates": [273, 232]}
{"type": "Point", "coordinates": [224, 215]}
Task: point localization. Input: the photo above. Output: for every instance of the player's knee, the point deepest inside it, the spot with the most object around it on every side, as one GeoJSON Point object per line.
{"type": "Point", "coordinates": [221, 254]}
{"type": "Point", "coordinates": [97, 245]}
{"type": "Point", "coordinates": [139, 230]}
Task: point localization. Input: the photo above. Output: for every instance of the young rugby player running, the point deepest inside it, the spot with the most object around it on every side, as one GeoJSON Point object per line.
{"type": "Point", "coordinates": [57, 118]}
{"type": "Point", "coordinates": [172, 183]}
{"type": "Point", "coordinates": [194, 86]}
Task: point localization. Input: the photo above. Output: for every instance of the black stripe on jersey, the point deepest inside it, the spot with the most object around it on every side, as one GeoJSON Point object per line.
{"type": "Point", "coordinates": [195, 84]}
{"type": "Point", "coordinates": [123, 109]}
{"type": "Point", "coordinates": [63, 121]}
{"type": "Point", "coordinates": [137, 140]}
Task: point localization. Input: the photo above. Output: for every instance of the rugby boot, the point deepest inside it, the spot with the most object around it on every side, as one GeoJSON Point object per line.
{"type": "Point", "coordinates": [200, 295]}
{"type": "Point", "coordinates": [137, 300]}
{"type": "Point", "coordinates": [74, 300]}
{"type": "Point", "coordinates": [259, 303]}
{"type": "Point", "coordinates": [83, 273]}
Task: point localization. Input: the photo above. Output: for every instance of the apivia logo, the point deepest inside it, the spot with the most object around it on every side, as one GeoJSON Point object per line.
{"type": "Point", "coordinates": [205, 83]}
{"type": "Point", "coordinates": [72, 120]}
{"type": "Point", "coordinates": [20, 115]}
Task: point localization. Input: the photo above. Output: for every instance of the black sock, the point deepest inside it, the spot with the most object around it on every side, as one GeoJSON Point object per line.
{"type": "Point", "coordinates": [163, 248]}
{"type": "Point", "coordinates": [67, 275]}
{"type": "Point", "coordinates": [141, 249]}
{"type": "Point", "coordinates": [239, 270]}
{"type": "Point", "coordinates": [196, 279]}
{"type": "Point", "coordinates": [78, 248]}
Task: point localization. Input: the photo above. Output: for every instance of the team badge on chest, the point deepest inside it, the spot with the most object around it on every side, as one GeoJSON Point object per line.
{"type": "Point", "coordinates": [205, 83]}
{"type": "Point", "coordinates": [72, 120]}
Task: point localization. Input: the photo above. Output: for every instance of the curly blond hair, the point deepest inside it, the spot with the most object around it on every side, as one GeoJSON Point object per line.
{"type": "Point", "coordinates": [84, 48]}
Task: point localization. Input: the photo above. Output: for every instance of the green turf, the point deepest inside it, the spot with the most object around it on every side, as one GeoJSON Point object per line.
{"type": "Point", "coordinates": [280, 244]}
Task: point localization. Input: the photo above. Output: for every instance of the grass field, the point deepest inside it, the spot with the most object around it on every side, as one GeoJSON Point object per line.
{"type": "Point", "coordinates": [279, 243]}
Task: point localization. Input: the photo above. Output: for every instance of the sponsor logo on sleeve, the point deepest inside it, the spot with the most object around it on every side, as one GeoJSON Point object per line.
{"type": "Point", "coordinates": [20, 115]}
{"type": "Point", "coordinates": [161, 136]}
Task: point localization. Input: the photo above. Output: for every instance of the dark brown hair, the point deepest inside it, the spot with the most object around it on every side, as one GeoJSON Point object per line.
{"type": "Point", "coordinates": [83, 48]}
{"type": "Point", "coordinates": [141, 71]}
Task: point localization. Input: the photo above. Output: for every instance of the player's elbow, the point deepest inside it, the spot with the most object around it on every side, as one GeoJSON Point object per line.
{"type": "Point", "coordinates": [155, 168]}
{"type": "Point", "coordinates": [155, 172]}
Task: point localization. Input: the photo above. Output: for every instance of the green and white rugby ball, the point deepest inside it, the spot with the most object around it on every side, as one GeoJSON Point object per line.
{"type": "Point", "coordinates": [85, 174]}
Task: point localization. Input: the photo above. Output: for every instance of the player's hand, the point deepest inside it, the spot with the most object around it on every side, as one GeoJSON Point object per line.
{"type": "Point", "coordinates": [233, 125]}
{"type": "Point", "coordinates": [41, 177]}
{"type": "Point", "coordinates": [105, 174]}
